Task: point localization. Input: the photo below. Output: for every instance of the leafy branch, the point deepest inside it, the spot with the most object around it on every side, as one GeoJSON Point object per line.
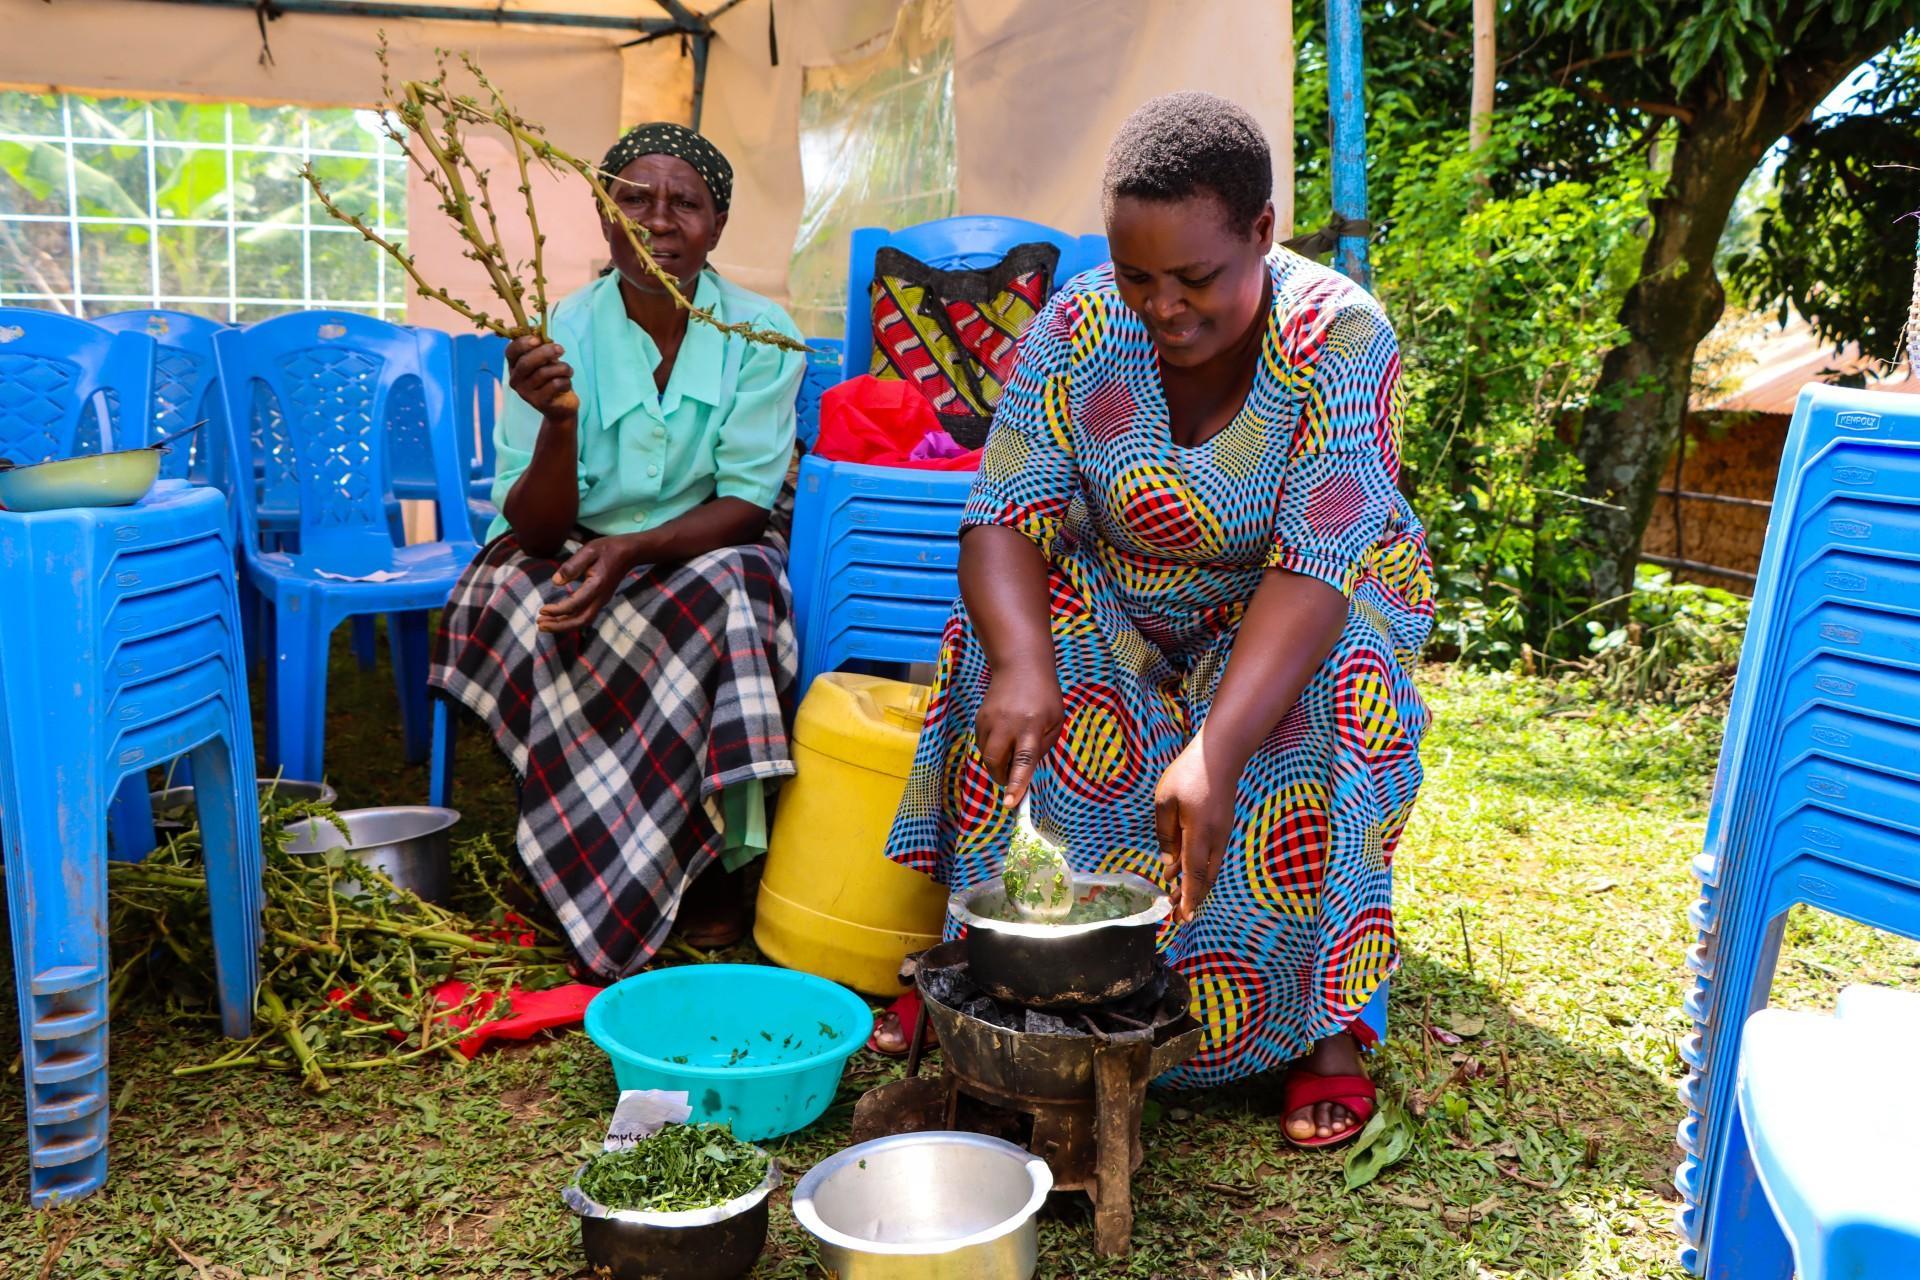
{"type": "Point", "coordinates": [354, 967]}
{"type": "Point", "coordinates": [429, 121]}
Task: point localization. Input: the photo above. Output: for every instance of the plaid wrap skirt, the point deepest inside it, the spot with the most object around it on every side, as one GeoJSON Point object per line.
{"type": "Point", "coordinates": [625, 732]}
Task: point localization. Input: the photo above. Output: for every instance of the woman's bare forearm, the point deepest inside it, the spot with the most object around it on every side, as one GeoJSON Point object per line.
{"type": "Point", "coordinates": [1003, 579]}
{"type": "Point", "coordinates": [544, 504]}
{"type": "Point", "coordinates": [715, 523]}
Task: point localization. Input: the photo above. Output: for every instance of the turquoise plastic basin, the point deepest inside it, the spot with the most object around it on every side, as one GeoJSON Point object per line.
{"type": "Point", "coordinates": [758, 1048]}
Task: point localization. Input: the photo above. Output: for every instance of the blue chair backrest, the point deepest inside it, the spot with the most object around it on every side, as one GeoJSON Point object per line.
{"type": "Point", "coordinates": [823, 371]}
{"type": "Point", "coordinates": [479, 374]}
{"type": "Point", "coordinates": [409, 442]}
{"type": "Point", "coordinates": [185, 389]}
{"type": "Point", "coordinates": [333, 376]}
{"type": "Point", "coordinates": [54, 371]}
{"type": "Point", "coordinates": [970, 242]}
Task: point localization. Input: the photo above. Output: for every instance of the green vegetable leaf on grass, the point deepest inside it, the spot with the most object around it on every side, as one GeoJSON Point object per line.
{"type": "Point", "coordinates": [1384, 1143]}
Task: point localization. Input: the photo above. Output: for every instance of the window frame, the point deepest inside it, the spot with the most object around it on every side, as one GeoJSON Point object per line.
{"type": "Point", "coordinates": [313, 220]}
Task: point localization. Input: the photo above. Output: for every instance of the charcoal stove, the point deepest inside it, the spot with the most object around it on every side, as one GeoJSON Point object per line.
{"type": "Point", "coordinates": [1068, 1086]}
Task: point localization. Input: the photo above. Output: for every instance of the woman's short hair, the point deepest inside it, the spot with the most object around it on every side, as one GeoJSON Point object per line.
{"type": "Point", "coordinates": [1181, 144]}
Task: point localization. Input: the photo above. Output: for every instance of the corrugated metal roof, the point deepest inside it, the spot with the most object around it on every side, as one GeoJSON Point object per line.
{"type": "Point", "coordinates": [1786, 358]}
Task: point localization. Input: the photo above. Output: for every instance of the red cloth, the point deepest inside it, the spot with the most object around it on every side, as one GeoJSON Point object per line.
{"type": "Point", "coordinates": [531, 1013]}
{"type": "Point", "coordinates": [528, 1014]}
{"type": "Point", "coordinates": [881, 422]}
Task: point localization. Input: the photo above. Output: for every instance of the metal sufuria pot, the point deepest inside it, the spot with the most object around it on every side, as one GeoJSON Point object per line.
{"type": "Point", "coordinates": [407, 843]}
{"type": "Point", "coordinates": [1062, 966]}
{"type": "Point", "coordinates": [718, 1243]}
{"type": "Point", "coordinates": [175, 810]}
{"type": "Point", "coordinates": [926, 1206]}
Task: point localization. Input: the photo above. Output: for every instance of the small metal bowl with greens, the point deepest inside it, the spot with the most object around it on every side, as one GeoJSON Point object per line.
{"type": "Point", "coordinates": [686, 1203]}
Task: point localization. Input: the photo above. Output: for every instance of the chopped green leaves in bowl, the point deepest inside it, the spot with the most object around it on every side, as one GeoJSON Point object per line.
{"type": "Point", "coordinates": [680, 1168]}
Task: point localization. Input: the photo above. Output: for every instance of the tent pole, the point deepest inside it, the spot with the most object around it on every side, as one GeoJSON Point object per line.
{"type": "Point", "coordinates": [1348, 109]}
{"type": "Point", "coordinates": [372, 9]}
{"type": "Point", "coordinates": [701, 41]}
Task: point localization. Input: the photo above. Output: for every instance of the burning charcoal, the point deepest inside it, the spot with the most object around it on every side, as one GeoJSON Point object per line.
{"type": "Point", "coordinates": [1040, 1023]}
{"type": "Point", "coordinates": [948, 986]}
{"type": "Point", "coordinates": [987, 1009]}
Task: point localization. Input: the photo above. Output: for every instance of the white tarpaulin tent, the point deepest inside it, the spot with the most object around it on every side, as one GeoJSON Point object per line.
{"type": "Point", "coordinates": [1037, 86]}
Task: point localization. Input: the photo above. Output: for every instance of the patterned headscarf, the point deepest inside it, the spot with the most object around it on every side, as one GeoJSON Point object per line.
{"type": "Point", "coordinates": [666, 139]}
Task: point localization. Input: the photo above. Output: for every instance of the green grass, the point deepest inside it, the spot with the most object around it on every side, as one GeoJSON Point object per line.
{"type": "Point", "coordinates": [1541, 891]}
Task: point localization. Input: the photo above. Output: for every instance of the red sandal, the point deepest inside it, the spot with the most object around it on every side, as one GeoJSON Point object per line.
{"type": "Point", "coordinates": [1307, 1088]}
{"type": "Point", "coordinates": [905, 1012]}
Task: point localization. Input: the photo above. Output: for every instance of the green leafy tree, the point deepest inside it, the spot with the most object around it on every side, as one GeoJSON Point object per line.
{"type": "Point", "coordinates": [1695, 94]}
{"type": "Point", "coordinates": [1730, 78]}
{"type": "Point", "coordinates": [1504, 304]}
{"type": "Point", "coordinates": [1828, 243]}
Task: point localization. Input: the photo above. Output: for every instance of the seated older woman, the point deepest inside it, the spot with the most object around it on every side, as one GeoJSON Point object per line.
{"type": "Point", "coordinates": [625, 633]}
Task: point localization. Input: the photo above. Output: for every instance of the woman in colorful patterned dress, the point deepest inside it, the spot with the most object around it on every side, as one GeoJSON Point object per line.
{"type": "Point", "coordinates": [1193, 599]}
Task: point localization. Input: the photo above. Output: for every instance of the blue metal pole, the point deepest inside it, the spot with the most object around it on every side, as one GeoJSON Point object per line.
{"type": "Point", "coordinates": [1347, 105]}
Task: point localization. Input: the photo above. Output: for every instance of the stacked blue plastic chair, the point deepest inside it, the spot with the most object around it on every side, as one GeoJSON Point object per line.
{"type": "Point", "coordinates": [332, 376]}
{"type": "Point", "coordinates": [185, 392]}
{"type": "Point", "coordinates": [185, 388]}
{"type": "Point", "coordinates": [1840, 1195]}
{"type": "Point", "coordinates": [134, 658]}
{"type": "Point", "coordinates": [875, 562]}
{"type": "Point", "coordinates": [1817, 801]}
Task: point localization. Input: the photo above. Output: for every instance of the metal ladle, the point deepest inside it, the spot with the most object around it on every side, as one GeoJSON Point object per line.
{"type": "Point", "coordinates": [1037, 876]}
{"type": "Point", "coordinates": [167, 441]}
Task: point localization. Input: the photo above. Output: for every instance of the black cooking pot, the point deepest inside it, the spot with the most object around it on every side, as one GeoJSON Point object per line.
{"type": "Point", "coordinates": [720, 1243]}
{"type": "Point", "coordinates": [1061, 966]}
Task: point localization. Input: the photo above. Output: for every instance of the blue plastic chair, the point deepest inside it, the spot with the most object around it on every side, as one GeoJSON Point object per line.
{"type": "Point", "coordinates": [58, 376]}
{"type": "Point", "coordinates": [479, 377]}
{"type": "Point", "coordinates": [971, 241]}
{"type": "Point", "coordinates": [1817, 801]}
{"type": "Point", "coordinates": [56, 373]}
{"type": "Point", "coordinates": [874, 563]}
{"type": "Point", "coordinates": [185, 391]}
{"type": "Point", "coordinates": [333, 377]}
{"type": "Point", "coordinates": [875, 550]}
{"type": "Point", "coordinates": [412, 471]}
{"type": "Point", "coordinates": [184, 388]}
{"type": "Point", "coordinates": [1807, 1193]}
{"type": "Point", "coordinates": [134, 658]}
{"type": "Point", "coordinates": [824, 370]}
{"type": "Point", "coordinates": [411, 476]}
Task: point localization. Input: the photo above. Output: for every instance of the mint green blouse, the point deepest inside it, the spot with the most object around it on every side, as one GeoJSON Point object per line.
{"type": "Point", "coordinates": [724, 426]}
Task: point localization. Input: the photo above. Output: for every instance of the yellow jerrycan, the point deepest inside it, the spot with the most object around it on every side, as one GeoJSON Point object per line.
{"type": "Point", "coordinates": [830, 902]}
